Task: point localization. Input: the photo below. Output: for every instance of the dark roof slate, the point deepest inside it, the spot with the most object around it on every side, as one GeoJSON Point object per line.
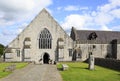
{"type": "Point", "coordinates": [102, 36]}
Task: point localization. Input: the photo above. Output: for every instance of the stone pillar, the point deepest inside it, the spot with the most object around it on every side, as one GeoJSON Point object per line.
{"type": "Point", "coordinates": [91, 62]}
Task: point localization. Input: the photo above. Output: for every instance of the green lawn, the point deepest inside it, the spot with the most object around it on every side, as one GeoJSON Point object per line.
{"type": "Point", "coordinates": [4, 65]}
{"type": "Point", "coordinates": [79, 72]}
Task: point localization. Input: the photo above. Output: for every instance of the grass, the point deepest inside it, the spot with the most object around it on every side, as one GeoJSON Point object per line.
{"type": "Point", "coordinates": [79, 72]}
{"type": "Point", "coordinates": [4, 65]}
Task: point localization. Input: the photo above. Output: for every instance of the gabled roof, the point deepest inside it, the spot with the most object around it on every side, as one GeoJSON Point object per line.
{"type": "Point", "coordinates": [102, 36]}
{"type": "Point", "coordinates": [43, 13]}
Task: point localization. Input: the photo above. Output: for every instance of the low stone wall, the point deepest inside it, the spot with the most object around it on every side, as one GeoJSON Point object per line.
{"type": "Point", "coordinates": [108, 63]}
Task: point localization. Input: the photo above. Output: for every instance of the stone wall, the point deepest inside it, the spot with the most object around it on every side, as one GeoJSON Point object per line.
{"type": "Point", "coordinates": [41, 22]}
{"type": "Point", "coordinates": [108, 63]}
{"type": "Point", "coordinates": [98, 50]}
{"type": "Point", "coordinates": [118, 51]}
{"type": "Point", "coordinates": [1, 59]}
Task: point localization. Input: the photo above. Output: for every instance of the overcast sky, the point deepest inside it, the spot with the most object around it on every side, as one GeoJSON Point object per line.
{"type": "Point", "coordinates": [15, 15]}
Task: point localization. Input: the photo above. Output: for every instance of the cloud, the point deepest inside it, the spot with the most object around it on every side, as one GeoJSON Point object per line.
{"type": "Point", "coordinates": [116, 27]}
{"type": "Point", "coordinates": [114, 3]}
{"type": "Point", "coordinates": [115, 13]}
{"type": "Point", "coordinates": [15, 9]}
{"type": "Point", "coordinates": [107, 13]}
{"type": "Point", "coordinates": [20, 10]}
{"type": "Point", "coordinates": [75, 20]}
{"type": "Point", "coordinates": [6, 40]}
{"type": "Point", "coordinates": [16, 5]}
{"type": "Point", "coordinates": [59, 8]}
{"type": "Point", "coordinates": [21, 28]}
{"type": "Point", "coordinates": [3, 22]}
{"type": "Point", "coordinates": [15, 14]}
{"type": "Point", "coordinates": [72, 8]}
{"type": "Point", "coordinates": [105, 28]}
{"type": "Point", "coordinates": [83, 8]}
{"type": "Point", "coordinates": [101, 18]}
{"type": "Point", "coordinates": [23, 6]}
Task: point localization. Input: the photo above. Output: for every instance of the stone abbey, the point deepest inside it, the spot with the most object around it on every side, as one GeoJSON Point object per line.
{"type": "Point", "coordinates": [44, 39]}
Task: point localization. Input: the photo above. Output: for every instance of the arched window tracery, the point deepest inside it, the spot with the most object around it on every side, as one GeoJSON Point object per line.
{"type": "Point", "coordinates": [45, 39]}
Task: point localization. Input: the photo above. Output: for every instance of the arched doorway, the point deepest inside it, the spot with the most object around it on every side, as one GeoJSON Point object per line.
{"type": "Point", "coordinates": [77, 54]}
{"type": "Point", "coordinates": [74, 56]}
{"type": "Point", "coordinates": [46, 58]}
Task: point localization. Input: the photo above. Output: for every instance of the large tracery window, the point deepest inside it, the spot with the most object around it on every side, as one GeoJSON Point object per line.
{"type": "Point", "coordinates": [45, 40]}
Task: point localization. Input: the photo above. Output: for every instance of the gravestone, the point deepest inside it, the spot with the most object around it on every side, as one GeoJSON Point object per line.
{"type": "Point", "coordinates": [91, 62]}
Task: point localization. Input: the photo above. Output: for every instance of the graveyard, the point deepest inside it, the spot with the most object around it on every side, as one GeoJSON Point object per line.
{"type": "Point", "coordinates": [79, 71]}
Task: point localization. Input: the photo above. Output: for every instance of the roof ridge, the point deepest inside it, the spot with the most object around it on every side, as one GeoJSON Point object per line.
{"type": "Point", "coordinates": [98, 30]}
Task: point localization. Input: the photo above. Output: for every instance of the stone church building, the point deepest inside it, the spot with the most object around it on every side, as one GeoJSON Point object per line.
{"type": "Point", "coordinates": [44, 39]}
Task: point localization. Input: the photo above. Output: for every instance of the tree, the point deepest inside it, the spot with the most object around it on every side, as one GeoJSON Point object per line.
{"type": "Point", "coordinates": [1, 49]}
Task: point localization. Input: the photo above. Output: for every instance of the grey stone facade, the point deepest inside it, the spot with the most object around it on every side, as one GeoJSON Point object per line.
{"type": "Point", "coordinates": [44, 39]}
{"type": "Point", "coordinates": [106, 44]}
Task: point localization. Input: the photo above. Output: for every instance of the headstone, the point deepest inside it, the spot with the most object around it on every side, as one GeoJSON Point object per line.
{"type": "Point", "coordinates": [91, 62]}
{"type": "Point", "coordinates": [65, 67]}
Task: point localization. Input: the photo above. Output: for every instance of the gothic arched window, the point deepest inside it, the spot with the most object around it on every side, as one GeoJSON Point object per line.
{"type": "Point", "coordinates": [92, 36]}
{"type": "Point", "coordinates": [45, 39]}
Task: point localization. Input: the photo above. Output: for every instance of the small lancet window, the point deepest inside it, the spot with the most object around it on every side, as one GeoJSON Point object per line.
{"type": "Point", "coordinates": [45, 39]}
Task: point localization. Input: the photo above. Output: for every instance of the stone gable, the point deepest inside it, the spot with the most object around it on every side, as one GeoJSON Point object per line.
{"type": "Point", "coordinates": [30, 51]}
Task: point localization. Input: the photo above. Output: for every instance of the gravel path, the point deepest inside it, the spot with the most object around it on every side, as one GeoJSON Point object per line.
{"type": "Point", "coordinates": [35, 73]}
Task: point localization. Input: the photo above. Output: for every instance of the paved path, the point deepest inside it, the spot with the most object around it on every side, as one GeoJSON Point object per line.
{"type": "Point", "coordinates": [35, 73]}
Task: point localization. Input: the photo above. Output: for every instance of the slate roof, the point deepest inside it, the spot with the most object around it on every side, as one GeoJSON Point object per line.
{"type": "Point", "coordinates": [102, 36]}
